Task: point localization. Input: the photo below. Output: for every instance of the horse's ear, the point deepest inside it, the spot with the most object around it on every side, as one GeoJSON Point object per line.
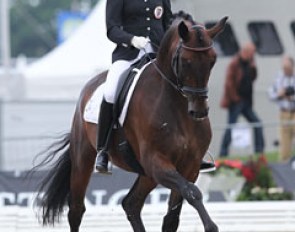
{"type": "Point", "coordinates": [217, 28]}
{"type": "Point", "coordinates": [183, 31]}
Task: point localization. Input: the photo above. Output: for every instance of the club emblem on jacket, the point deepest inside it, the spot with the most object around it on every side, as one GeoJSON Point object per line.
{"type": "Point", "coordinates": [158, 12]}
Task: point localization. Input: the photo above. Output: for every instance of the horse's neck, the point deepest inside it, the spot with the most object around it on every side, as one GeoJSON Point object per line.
{"type": "Point", "coordinates": [166, 75]}
{"type": "Point", "coordinates": [166, 94]}
{"type": "Point", "coordinates": [167, 47]}
{"type": "Point", "coordinates": [167, 98]}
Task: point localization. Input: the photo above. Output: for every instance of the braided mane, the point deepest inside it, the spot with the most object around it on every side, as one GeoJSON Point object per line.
{"type": "Point", "coordinates": [181, 15]}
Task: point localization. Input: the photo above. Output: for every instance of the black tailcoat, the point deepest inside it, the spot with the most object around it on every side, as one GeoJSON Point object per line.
{"type": "Point", "coordinates": [128, 18]}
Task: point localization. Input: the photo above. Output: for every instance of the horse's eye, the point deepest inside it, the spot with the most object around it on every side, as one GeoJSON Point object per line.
{"type": "Point", "coordinates": [187, 63]}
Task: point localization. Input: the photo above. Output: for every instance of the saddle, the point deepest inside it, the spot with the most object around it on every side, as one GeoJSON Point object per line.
{"type": "Point", "coordinates": [125, 82]}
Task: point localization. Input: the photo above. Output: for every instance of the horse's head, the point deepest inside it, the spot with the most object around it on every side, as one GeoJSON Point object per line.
{"type": "Point", "coordinates": [192, 58]}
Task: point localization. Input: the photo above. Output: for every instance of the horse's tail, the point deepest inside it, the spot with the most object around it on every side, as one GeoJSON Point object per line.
{"type": "Point", "coordinates": [55, 187]}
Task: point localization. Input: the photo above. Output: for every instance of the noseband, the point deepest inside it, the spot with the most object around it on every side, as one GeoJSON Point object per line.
{"type": "Point", "coordinates": [187, 90]}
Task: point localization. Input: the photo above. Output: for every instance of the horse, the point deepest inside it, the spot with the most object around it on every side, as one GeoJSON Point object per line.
{"type": "Point", "coordinates": [167, 127]}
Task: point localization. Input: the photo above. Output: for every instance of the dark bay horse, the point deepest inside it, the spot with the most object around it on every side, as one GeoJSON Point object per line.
{"type": "Point", "coordinates": [167, 126]}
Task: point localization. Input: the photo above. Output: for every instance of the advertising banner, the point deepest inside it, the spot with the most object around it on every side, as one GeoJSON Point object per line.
{"type": "Point", "coordinates": [20, 189]}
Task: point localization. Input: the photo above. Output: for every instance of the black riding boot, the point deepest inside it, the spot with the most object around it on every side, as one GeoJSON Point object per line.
{"type": "Point", "coordinates": [103, 130]}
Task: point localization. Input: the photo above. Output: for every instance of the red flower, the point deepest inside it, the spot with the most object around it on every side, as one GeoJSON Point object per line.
{"type": "Point", "coordinates": [248, 172]}
{"type": "Point", "coordinates": [249, 169]}
{"type": "Point", "coordinates": [229, 163]}
{"type": "Point", "coordinates": [262, 160]}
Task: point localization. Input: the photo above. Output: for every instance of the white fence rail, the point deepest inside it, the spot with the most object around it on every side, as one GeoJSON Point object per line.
{"type": "Point", "coordinates": [230, 217]}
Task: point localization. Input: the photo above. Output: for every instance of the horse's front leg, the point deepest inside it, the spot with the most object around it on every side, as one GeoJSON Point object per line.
{"type": "Point", "coordinates": [133, 202]}
{"type": "Point", "coordinates": [165, 173]}
{"type": "Point", "coordinates": [171, 219]}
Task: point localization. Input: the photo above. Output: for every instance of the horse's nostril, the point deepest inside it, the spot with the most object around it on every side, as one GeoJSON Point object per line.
{"type": "Point", "coordinates": [198, 115]}
{"type": "Point", "coordinates": [193, 114]}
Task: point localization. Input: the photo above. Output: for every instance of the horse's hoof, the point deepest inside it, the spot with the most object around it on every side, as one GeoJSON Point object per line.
{"type": "Point", "coordinates": [212, 228]}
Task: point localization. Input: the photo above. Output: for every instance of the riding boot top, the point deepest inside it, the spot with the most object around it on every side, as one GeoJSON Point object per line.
{"type": "Point", "coordinates": [103, 133]}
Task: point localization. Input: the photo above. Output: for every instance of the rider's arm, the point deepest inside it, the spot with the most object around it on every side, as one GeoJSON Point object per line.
{"type": "Point", "coordinates": [114, 15]}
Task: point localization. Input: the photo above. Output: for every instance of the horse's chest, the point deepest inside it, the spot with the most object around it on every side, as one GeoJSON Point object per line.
{"type": "Point", "coordinates": [182, 144]}
{"type": "Point", "coordinates": [178, 139]}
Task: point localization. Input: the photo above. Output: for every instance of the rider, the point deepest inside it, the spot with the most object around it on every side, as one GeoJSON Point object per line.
{"type": "Point", "coordinates": [136, 27]}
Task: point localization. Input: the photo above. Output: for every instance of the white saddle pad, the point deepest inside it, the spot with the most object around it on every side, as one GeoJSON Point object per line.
{"type": "Point", "coordinates": [92, 108]}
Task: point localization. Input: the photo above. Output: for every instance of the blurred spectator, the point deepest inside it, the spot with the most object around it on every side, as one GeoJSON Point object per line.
{"type": "Point", "coordinates": [283, 93]}
{"type": "Point", "coordinates": [238, 96]}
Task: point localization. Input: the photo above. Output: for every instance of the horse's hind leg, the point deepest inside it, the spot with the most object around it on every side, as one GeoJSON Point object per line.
{"type": "Point", "coordinates": [76, 200]}
{"type": "Point", "coordinates": [82, 169]}
{"type": "Point", "coordinates": [171, 219]}
{"type": "Point", "coordinates": [133, 202]}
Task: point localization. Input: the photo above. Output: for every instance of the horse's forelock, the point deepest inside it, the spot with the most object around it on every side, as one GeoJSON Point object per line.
{"type": "Point", "coordinates": [200, 30]}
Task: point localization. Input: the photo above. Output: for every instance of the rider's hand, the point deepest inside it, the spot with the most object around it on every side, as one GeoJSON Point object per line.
{"type": "Point", "coordinates": [139, 42]}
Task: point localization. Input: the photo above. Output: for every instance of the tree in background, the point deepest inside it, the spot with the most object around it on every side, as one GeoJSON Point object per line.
{"type": "Point", "coordinates": [33, 24]}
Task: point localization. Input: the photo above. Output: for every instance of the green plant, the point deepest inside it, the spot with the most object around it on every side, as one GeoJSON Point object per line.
{"type": "Point", "coordinates": [259, 185]}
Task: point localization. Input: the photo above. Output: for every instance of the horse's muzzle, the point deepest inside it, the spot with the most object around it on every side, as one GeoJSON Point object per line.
{"type": "Point", "coordinates": [199, 116]}
{"type": "Point", "coordinates": [198, 112]}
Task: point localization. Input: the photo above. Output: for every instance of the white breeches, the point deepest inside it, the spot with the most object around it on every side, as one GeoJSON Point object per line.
{"type": "Point", "coordinates": [115, 72]}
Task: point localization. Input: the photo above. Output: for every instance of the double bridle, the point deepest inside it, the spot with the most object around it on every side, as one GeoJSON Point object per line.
{"type": "Point", "coordinates": [183, 89]}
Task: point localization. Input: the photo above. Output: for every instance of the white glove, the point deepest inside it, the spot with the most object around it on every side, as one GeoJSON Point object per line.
{"type": "Point", "coordinates": [139, 41]}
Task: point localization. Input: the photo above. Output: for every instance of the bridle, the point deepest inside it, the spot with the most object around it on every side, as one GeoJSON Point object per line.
{"type": "Point", "coordinates": [187, 90]}
{"type": "Point", "coordinates": [179, 86]}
